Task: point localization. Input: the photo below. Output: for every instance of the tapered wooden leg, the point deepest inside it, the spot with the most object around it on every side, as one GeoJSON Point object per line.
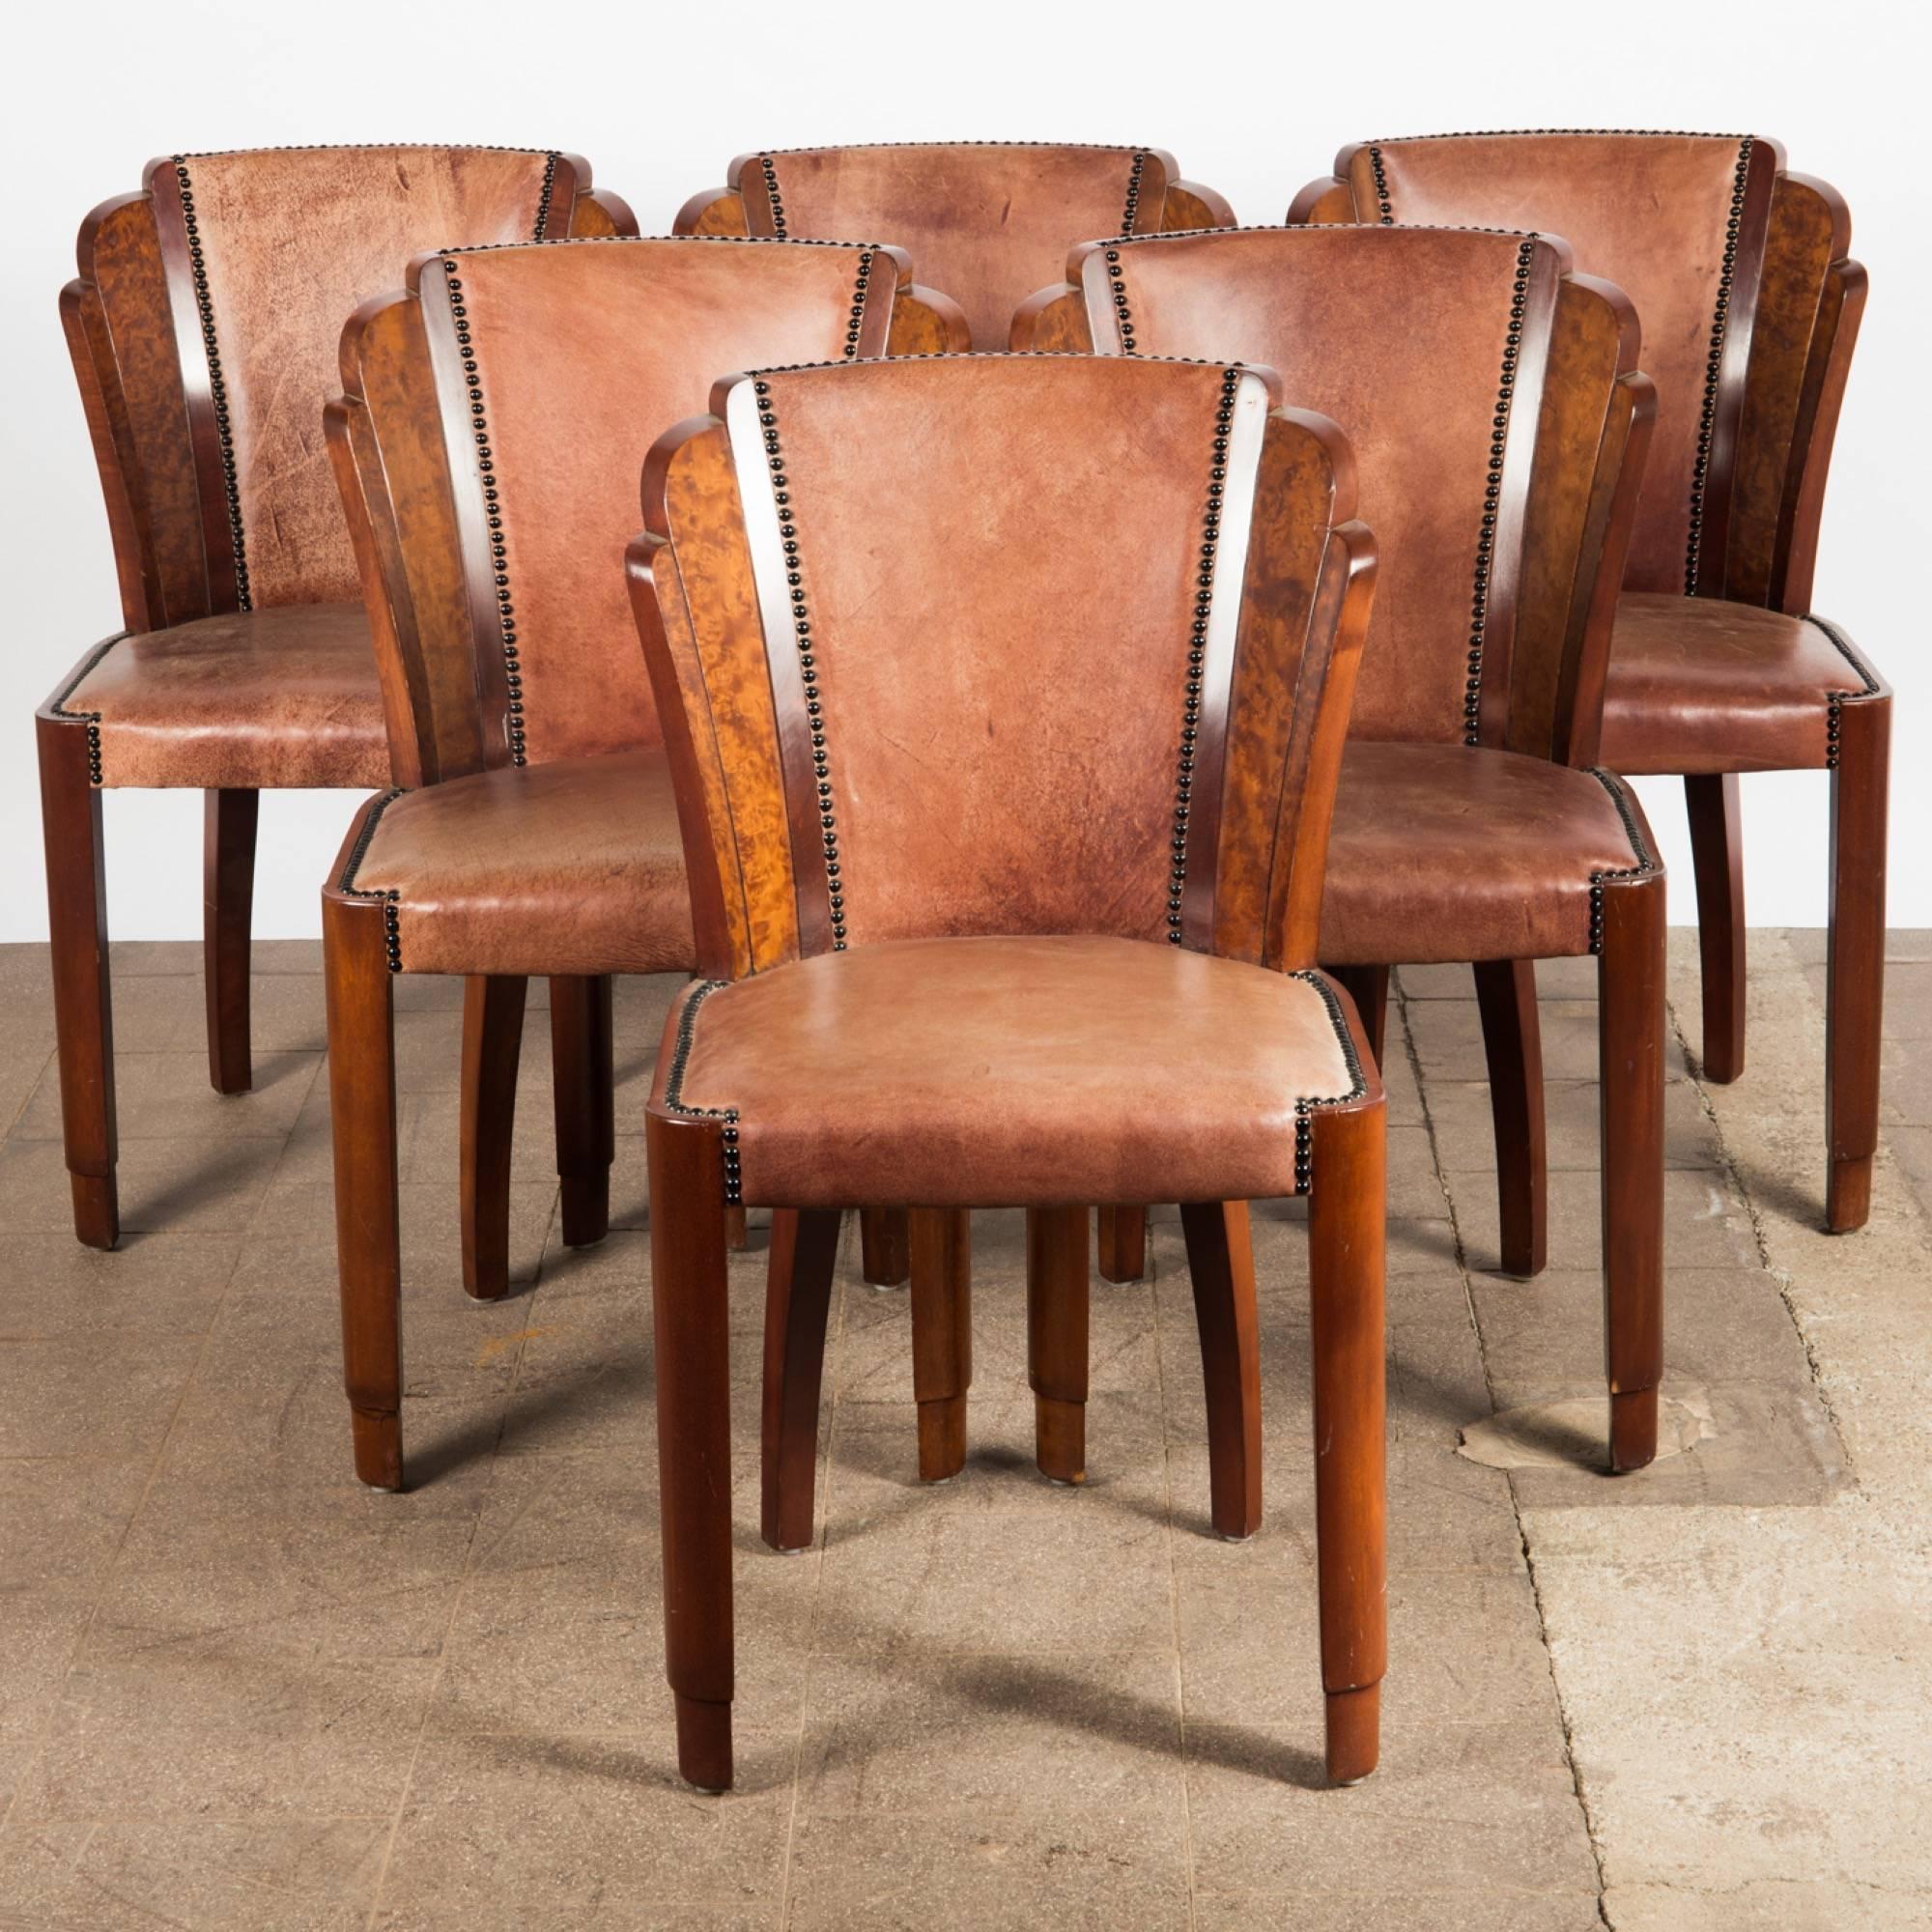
{"type": "Point", "coordinates": [83, 1007]}
{"type": "Point", "coordinates": [1220, 1259]}
{"type": "Point", "coordinates": [1717, 861]}
{"type": "Point", "coordinates": [1369, 988]}
{"type": "Point", "coordinates": [1122, 1243]}
{"type": "Point", "coordinates": [1346, 1231]}
{"type": "Point", "coordinates": [885, 1253]}
{"type": "Point", "coordinates": [363, 1110]}
{"type": "Point", "coordinates": [1855, 979]}
{"type": "Point", "coordinates": [1057, 1290]}
{"type": "Point", "coordinates": [582, 1081]}
{"type": "Point", "coordinates": [693, 1383]}
{"type": "Point", "coordinates": [941, 1244]}
{"type": "Point", "coordinates": [798, 1296]}
{"type": "Point", "coordinates": [493, 1037]}
{"type": "Point", "coordinates": [227, 908]}
{"type": "Point", "coordinates": [1630, 1009]}
{"type": "Point", "coordinates": [1512, 1040]}
{"type": "Point", "coordinates": [737, 1234]}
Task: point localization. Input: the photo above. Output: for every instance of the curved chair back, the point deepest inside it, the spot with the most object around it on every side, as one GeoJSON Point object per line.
{"type": "Point", "coordinates": [1002, 644]}
{"type": "Point", "coordinates": [1749, 305]}
{"type": "Point", "coordinates": [987, 221]}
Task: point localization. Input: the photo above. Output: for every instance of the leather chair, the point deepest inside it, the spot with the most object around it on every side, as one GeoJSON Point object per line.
{"type": "Point", "coordinates": [987, 221]}
{"type": "Point", "coordinates": [244, 663]}
{"type": "Point", "coordinates": [870, 599]}
{"type": "Point", "coordinates": [1492, 398]}
{"type": "Point", "coordinates": [1750, 305]}
{"type": "Point", "coordinates": [487, 448]}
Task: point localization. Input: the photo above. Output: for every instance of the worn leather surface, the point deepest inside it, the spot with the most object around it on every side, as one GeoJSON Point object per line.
{"type": "Point", "coordinates": [1014, 1071]}
{"type": "Point", "coordinates": [1701, 684]}
{"type": "Point", "coordinates": [294, 239]}
{"type": "Point", "coordinates": [1646, 210]}
{"type": "Point", "coordinates": [572, 867]}
{"type": "Point", "coordinates": [254, 699]}
{"type": "Point", "coordinates": [986, 224]}
{"type": "Point", "coordinates": [1398, 336]}
{"type": "Point", "coordinates": [1444, 853]}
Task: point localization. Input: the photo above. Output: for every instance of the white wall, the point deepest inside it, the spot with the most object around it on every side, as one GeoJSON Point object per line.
{"type": "Point", "coordinates": [1253, 98]}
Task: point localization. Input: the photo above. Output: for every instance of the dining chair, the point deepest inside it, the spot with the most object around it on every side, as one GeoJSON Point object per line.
{"type": "Point", "coordinates": [1494, 403]}
{"type": "Point", "coordinates": [968, 939]}
{"type": "Point", "coordinates": [1740, 270]}
{"type": "Point", "coordinates": [486, 444]}
{"type": "Point", "coordinates": [203, 327]}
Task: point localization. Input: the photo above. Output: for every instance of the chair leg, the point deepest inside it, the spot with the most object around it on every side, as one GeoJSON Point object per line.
{"type": "Point", "coordinates": [885, 1251]}
{"type": "Point", "coordinates": [1854, 995]}
{"type": "Point", "coordinates": [1057, 1339]}
{"type": "Point", "coordinates": [583, 1083]}
{"type": "Point", "coordinates": [1513, 1042]}
{"type": "Point", "coordinates": [1220, 1259]}
{"type": "Point", "coordinates": [691, 1320]}
{"type": "Point", "coordinates": [1123, 1243]}
{"type": "Point", "coordinates": [227, 908]}
{"type": "Point", "coordinates": [83, 1005]}
{"type": "Point", "coordinates": [362, 1108]}
{"type": "Point", "coordinates": [941, 1240]}
{"type": "Point", "coordinates": [798, 1297]}
{"type": "Point", "coordinates": [737, 1234]}
{"type": "Point", "coordinates": [1346, 1232]}
{"type": "Point", "coordinates": [1717, 863]}
{"type": "Point", "coordinates": [1369, 988]}
{"type": "Point", "coordinates": [493, 1037]}
{"type": "Point", "coordinates": [1630, 1009]}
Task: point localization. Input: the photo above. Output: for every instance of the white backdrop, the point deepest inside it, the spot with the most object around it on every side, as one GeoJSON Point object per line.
{"type": "Point", "coordinates": [1253, 99]}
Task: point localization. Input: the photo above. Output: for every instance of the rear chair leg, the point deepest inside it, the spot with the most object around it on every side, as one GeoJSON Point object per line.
{"type": "Point", "coordinates": [1718, 862]}
{"type": "Point", "coordinates": [1057, 1291]}
{"type": "Point", "coordinates": [1220, 1259]}
{"type": "Point", "coordinates": [798, 1298]}
{"type": "Point", "coordinates": [493, 1037]}
{"type": "Point", "coordinates": [941, 1240]}
{"type": "Point", "coordinates": [1123, 1243]}
{"type": "Point", "coordinates": [1855, 986]}
{"type": "Point", "coordinates": [885, 1253]}
{"type": "Point", "coordinates": [1513, 1042]}
{"type": "Point", "coordinates": [227, 906]}
{"type": "Point", "coordinates": [583, 1085]}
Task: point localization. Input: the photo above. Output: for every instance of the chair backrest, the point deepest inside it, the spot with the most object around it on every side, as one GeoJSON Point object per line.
{"type": "Point", "coordinates": [1002, 644]}
{"type": "Point", "coordinates": [1489, 398]}
{"type": "Point", "coordinates": [1750, 309]}
{"type": "Point", "coordinates": [987, 221]}
{"type": "Point", "coordinates": [488, 446]}
{"type": "Point", "coordinates": [203, 327]}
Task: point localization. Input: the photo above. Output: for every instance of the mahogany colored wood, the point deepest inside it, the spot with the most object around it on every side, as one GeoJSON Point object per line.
{"type": "Point", "coordinates": [1057, 1339]}
{"type": "Point", "coordinates": [1369, 988]}
{"type": "Point", "coordinates": [1513, 1044]}
{"type": "Point", "coordinates": [737, 1234]}
{"type": "Point", "coordinates": [1854, 978]}
{"type": "Point", "coordinates": [582, 1046]}
{"type": "Point", "coordinates": [1718, 858]}
{"type": "Point", "coordinates": [798, 1298]}
{"type": "Point", "coordinates": [1123, 1233]}
{"type": "Point", "coordinates": [227, 903]}
{"type": "Point", "coordinates": [942, 1336]}
{"type": "Point", "coordinates": [492, 1036]}
{"type": "Point", "coordinates": [884, 1246]}
{"type": "Point", "coordinates": [1221, 1262]}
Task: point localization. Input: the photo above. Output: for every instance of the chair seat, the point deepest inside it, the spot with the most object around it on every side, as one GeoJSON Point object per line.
{"type": "Point", "coordinates": [1697, 685]}
{"type": "Point", "coordinates": [572, 867]}
{"type": "Point", "coordinates": [1440, 852]}
{"type": "Point", "coordinates": [1012, 1073]}
{"type": "Point", "coordinates": [255, 699]}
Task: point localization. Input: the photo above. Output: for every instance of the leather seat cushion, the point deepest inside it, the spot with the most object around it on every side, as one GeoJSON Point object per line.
{"type": "Point", "coordinates": [1441, 852]}
{"type": "Point", "coordinates": [1697, 685]}
{"type": "Point", "coordinates": [256, 700]}
{"type": "Point", "coordinates": [572, 867]}
{"type": "Point", "coordinates": [1012, 1072]}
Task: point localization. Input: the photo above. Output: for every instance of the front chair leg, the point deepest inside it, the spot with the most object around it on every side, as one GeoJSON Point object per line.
{"type": "Point", "coordinates": [1057, 1291]}
{"type": "Point", "coordinates": [493, 1037]}
{"type": "Point", "coordinates": [1220, 1259]}
{"type": "Point", "coordinates": [798, 1298]}
{"type": "Point", "coordinates": [583, 1082]}
{"type": "Point", "coordinates": [1122, 1243]}
{"type": "Point", "coordinates": [1346, 1231]}
{"type": "Point", "coordinates": [691, 1320]}
{"type": "Point", "coordinates": [884, 1246]}
{"type": "Point", "coordinates": [227, 908]}
{"type": "Point", "coordinates": [941, 1240]}
{"type": "Point", "coordinates": [1854, 978]}
{"type": "Point", "coordinates": [1630, 1009]}
{"type": "Point", "coordinates": [1717, 864]}
{"type": "Point", "coordinates": [1513, 1044]}
{"type": "Point", "coordinates": [362, 1112]}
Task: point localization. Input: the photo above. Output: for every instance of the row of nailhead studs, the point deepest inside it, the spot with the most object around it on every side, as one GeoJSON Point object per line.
{"type": "Point", "coordinates": [1304, 1129]}
{"type": "Point", "coordinates": [1493, 490]}
{"type": "Point", "coordinates": [858, 310]}
{"type": "Point", "coordinates": [486, 463]}
{"type": "Point", "coordinates": [680, 1054]}
{"type": "Point", "coordinates": [1117, 279]}
{"type": "Point", "coordinates": [771, 175]}
{"type": "Point", "coordinates": [1646, 862]}
{"type": "Point", "coordinates": [1384, 209]}
{"type": "Point", "coordinates": [1840, 698]}
{"type": "Point", "coordinates": [1531, 133]}
{"type": "Point", "coordinates": [217, 391]}
{"type": "Point", "coordinates": [393, 937]}
{"type": "Point", "coordinates": [1133, 207]}
{"type": "Point", "coordinates": [1712, 365]}
{"type": "Point", "coordinates": [91, 719]}
{"type": "Point", "coordinates": [1197, 646]}
{"type": "Point", "coordinates": [543, 194]}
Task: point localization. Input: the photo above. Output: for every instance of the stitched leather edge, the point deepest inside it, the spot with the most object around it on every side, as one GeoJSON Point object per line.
{"type": "Point", "coordinates": [1707, 416]}
{"type": "Point", "coordinates": [57, 704]}
{"type": "Point", "coordinates": [673, 1100]}
{"type": "Point", "coordinates": [1646, 860]}
{"type": "Point", "coordinates": [347, 886]}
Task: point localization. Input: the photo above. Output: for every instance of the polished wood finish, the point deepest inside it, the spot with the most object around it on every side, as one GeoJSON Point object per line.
{"type": "Point", "coordinates": [1717, 860]}
{"type": "Point", "coordinates": [942, 1336]}
{"type": "Point", "coordinates": [1122, 1243]}
{"type": "Point", "coordinates": [1512, 1046]}
{"type": "Point", "coordinates": [583, 1045]}
{"type": "Point", "coordinates": [227, 901]}
{"type": "Point", "coordinates": [1056, 1240]}
{"type": "Point", "coordinates": [884, 1246]}
{"type": "Point", "coordinates": [493, 1035]}
{"type": "Point", "coordinates": [798, 1298]}
{"type": "Point", "coordinates": [1221, 1263]}
{"type": "Point", "coordinates": [1855, 979]}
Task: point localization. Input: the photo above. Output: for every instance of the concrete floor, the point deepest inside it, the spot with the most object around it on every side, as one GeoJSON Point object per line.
{"type": "Point", "coordinates": [238, 1690]}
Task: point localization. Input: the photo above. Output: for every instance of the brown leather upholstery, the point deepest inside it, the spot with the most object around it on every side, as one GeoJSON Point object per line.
{"type": "Point", "coordinates": [254, 700]}
{"type": "Point", "coordinates": [569, 867]}
{"type": "Point", "coordinates": [1024, 1071]}
{"type": "Point", "coordinates": [1444, 853]}
{"type": "Point", "coordinates": [1701, 685]}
